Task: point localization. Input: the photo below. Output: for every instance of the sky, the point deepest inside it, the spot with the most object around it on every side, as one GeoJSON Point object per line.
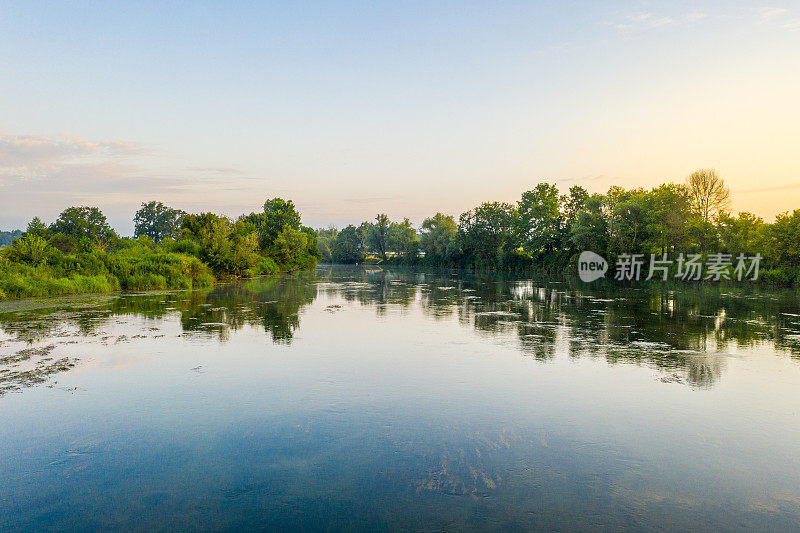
{"type": "Point", "coordinates": [407, 108]}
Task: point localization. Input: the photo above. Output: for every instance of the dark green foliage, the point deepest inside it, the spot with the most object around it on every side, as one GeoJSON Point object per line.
{"type": "Point", "coordinates": [540, 223]}
{"type": "Point", "coordinates": [30, 250]}
{"type": "Point", "coordinates": [326, 240]}
{"type": "Point", "coordinates": [487, 235]}
{"type": "Point", "coordinates": [546, 231]}
{"type": "Point", "coordinates": [784, 239]}
{"type": "Point", "coordinates": [83, 222]}
{"type": "Point", "coordinates": [157, 221]}
{"type": "Point", "coordinates": [437, 238]}
{"type": "Point", "coordinates": [403, 240]}
{"type": "Point", "coordinates": [259, 243]}
{"type": "Point", "coordinates": [376, 235]}
{"type": "Point", "coordinates": [349, 246]}
{"type": "Point", "coordinates": [80, 252]}
{"type": "Point", "coordinates": [229, 249]}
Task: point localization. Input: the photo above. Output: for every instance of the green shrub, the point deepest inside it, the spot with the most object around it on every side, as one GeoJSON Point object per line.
{"type": "Point", "coordinates": [264, 266]}
{"type": "Point", "coordinates": [159, 270]}
{"type": "Point", "coordinates": [146, 281]}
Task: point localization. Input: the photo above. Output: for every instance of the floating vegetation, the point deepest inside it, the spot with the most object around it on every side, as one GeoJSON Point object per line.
{"type": "Point", "coordinates": [333, 308]}
{"type": "Point", "coordinates": [465, 469]}
{"type": "Point", "coordinates": [37, 365]}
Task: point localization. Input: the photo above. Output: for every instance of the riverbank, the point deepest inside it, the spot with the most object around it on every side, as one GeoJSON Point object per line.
{"type": "Point", "coordinates": [99, 272]}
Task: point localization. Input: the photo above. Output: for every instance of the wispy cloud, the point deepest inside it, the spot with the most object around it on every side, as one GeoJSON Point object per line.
{"type": "Point", "coordinates": [772, 13]}
{"type": "Point", "coordinates": [779, 16]}
{"type": "Point", "coordinates": [769, 189]}
{"type": "Point", "coordinates": [693, 16]}
{"type": "Point", "coordinates": [644, 20]}
{"type": "Point", "coordinates": [216, 170]}
{"type": "Point", "coordinates": [30, 156]}
{"type": "Point", "coordinates": [42, 175]}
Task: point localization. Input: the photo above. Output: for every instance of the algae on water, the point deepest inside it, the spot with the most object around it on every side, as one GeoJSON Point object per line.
{"type": "Point", "coordinates": [30, 366]}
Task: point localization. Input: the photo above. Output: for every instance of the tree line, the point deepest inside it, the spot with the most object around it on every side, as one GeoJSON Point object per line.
{"type": "Point", "coordinates": [80, 252]}
{"type": "Point", "coordinates": [546, 230]}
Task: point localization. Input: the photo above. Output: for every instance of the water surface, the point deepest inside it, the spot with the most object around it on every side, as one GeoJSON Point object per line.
{"type": "Point", "coordinates": [361, 399]}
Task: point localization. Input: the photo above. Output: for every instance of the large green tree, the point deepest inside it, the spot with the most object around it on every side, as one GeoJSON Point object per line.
{"type": "Point", "coordinates": [377, 236]}
{"type": "Point", "coordinates": [83, 222]}
{"type": "Point", "coordinates": [349, 247]}
{"type": "Point", "coordinates": [226, 247]}
{"type": "Point", "coordinates": [589, 230]}
{"type": "Point", "coordinates": [540, 224]}
{"type": "Point", "coordinates": [437, 238]}
{"type": "Point", "coordinates": [277, 215]}
{"type": "Point", "coordinates": [157, 221]}
{"type": "Point", "coordinates": [487, 234]}
{"type": "Point", "coordinates": [403, 239]}
{"type": "Point", "coordinates": [326, 241]}
{"type": "Point", "coordinates": [785, 242]}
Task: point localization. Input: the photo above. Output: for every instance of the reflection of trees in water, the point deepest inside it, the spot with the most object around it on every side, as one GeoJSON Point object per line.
{"type": "Point", "coordinates": [273, 303]}
{"type": "Point", "coordinates": [36, 325]}
{"type": "Point", "coordinates": [675, 328]}
{"type": "Point", "coordinates": [683, 329]}
{"type": "Point", "coordinates": [370, 287]}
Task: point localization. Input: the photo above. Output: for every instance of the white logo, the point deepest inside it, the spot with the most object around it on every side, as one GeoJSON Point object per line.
{"type": "Point", "coordinates": [591, 266]}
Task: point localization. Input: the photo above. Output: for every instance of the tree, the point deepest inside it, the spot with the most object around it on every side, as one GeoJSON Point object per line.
{"type": "Point", "coordinates": [36, 227]}
{"type": "Point", "coordinates": [277, 215]}
{"type": "Point", "coordinates": [312, 246]}
{"type": "Point", "coordinates": [349, 247]}
{"type": "Point", "coordinates": [157, 221]}
{"type": "Point", "coordinates": [377, 235]}
{"type": "Point", "coordinates": [403, 239]}
{"type": "Point", "coordinates": [667, 211]}
{"type": "Point", "coordinates": [589, 231]}
{"type": "Point", "coordinates": [746, 233]}
{"type": "Point", "coordinates": [30, 249]}
{"type": "Point", "coordinates": [540, 222]}
{"type": "Point", "coordinates": [707, 193]}
{"type": "Point", "coordinates": [438, 236]}
{"type": "Point", "coordinates": [785, 241]}
{"type": "Point", "coordinates": [226, 247]}
{"type": "Point", "coordinates": [487, 234]}
{"type": "Point", "coordinates": [326, 241]}
{"type": "Point", "coordinates": [626, 213]}
{"type": "Point", "coordinates": [574, 203]}
{"type": "Point", "coordinates": [289, 248]}
{"type": "Point", "coordinates": [83, 221]}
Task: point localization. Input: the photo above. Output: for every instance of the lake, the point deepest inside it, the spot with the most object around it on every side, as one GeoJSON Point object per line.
{"type": "Point", "coordinates": [363, 399]}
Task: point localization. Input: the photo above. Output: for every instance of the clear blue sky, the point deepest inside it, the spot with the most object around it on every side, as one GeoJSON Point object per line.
{"type": "Point", "coordinates": [351, 108]}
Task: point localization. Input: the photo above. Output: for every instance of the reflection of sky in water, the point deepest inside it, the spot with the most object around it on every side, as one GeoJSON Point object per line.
{"type": "Point", "coordinates": [379, 399]}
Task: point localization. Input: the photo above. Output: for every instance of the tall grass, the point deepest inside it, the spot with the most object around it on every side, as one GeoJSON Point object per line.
{"type": "Point", "coordinates": [135, 268]}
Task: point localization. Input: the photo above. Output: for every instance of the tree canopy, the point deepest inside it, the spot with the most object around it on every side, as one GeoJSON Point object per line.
{"type": "Point", "coordinates": [157, 221]}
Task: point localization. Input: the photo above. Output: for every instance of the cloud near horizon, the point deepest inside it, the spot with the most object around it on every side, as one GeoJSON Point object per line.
{"type": "Point", "coordinates": [29, 156]}
{"type": "Point", "coordinates": [40, 176]}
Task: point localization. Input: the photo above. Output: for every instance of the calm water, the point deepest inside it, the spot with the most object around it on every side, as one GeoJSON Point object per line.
{"type": "Point", "coordinates": [354, 399]}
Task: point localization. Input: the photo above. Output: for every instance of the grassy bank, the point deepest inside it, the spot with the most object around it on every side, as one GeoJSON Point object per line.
{"type": "Point", "coordinates": [80, 253]}
{"type": "Point", "coordinates": [101, 272]}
